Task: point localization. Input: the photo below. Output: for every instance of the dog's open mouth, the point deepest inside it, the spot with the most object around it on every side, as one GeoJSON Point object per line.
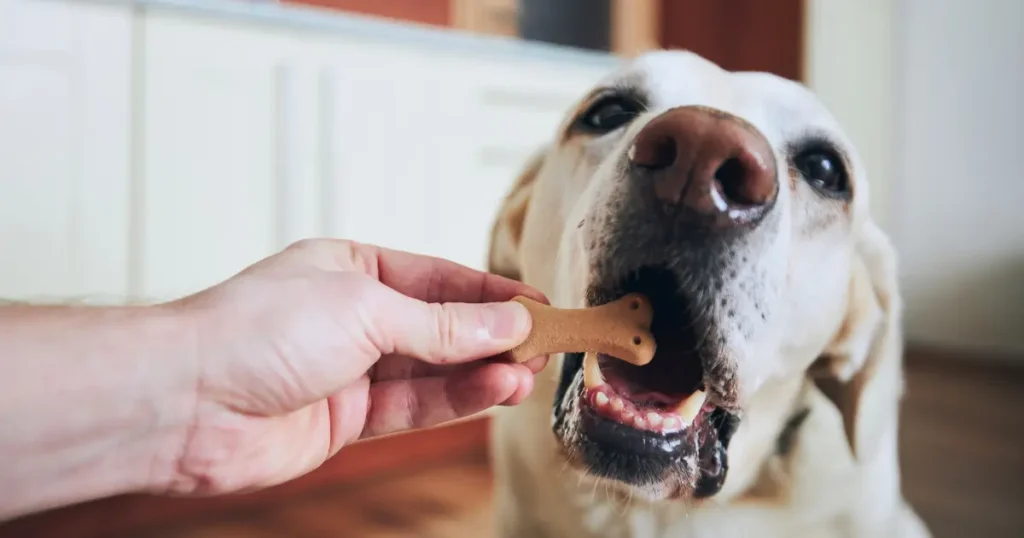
{"type": "Point", "coordinates": [651, 425]}
{"type": "Point", "coordinates": [666, 395]}
{"type": "Point", "coordinates": [641, 397]}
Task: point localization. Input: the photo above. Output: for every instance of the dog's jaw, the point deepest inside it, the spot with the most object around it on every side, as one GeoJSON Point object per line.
{"type": "Point", "coordinates": [690, 464]}
{"type": "Point", "coordinates": [683, 463]}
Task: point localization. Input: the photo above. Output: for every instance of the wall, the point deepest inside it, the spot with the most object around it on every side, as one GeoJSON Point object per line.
{"type": "Point", "coordinates": [929, 90]}
{"type": "Point", "coordinates": [740, 35]}
{"type": "Point", "coordinates": [433, 12]}
{"type": "Point", "coordinates": [961, 183]}
{"type": "Point", "coordinates": [848, 64]}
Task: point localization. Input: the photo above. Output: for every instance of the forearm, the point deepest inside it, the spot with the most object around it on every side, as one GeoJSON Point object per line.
{"type": "Point", "coordinates": [93, 402]}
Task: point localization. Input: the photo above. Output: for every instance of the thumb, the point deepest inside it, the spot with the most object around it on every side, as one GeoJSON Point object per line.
{"type": "Point", "coordinates": [446, 333]}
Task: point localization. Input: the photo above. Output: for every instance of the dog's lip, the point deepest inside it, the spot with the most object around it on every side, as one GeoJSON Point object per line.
{"type": "Point", "coordinates": [692, 460]}
{"type": "Point", "coordinates": [722, 392]}
{"type": "Point", "coordinates": [629, 439]}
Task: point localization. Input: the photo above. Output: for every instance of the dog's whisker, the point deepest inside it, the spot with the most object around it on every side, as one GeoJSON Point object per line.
{"type": "Point", "coordinates": [593, 492]}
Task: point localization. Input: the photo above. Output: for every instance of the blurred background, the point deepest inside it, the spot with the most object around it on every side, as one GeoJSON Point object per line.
{"type": "Point", "coordinates": [149, 148]}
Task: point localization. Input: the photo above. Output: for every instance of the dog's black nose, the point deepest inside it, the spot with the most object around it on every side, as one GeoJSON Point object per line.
{"type": "Point", "coordinates": [711, 163]}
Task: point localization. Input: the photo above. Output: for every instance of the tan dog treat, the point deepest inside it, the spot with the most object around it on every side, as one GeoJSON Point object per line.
{"type": "Point", "coordinates": [620, 329]}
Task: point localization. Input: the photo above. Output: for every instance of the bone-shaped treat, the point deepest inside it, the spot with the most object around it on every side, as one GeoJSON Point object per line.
{"type": "Point", "coordinates": [620, 329]}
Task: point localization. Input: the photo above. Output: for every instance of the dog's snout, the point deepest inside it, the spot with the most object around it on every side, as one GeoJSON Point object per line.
{"type": "Point", "coordinates": [709, 162]}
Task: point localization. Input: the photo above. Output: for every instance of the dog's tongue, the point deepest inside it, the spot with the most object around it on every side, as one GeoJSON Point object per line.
{"type": "Point", "coordinates": [688, 404]}
{"type": "Point", "coordinates": [639, 394]}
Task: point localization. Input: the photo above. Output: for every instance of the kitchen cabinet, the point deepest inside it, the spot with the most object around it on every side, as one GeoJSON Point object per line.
{"type": "Point", "coordinates": [384, 111]}
{"type": "Point", "coordinates": [223, 150]}
{"type": "Point", "coordinates": [64, 151]}
{"type": "Point", "coordinates": [507, 113]}
{"type": "Point", "coordinates": [153, 148]}
{"type": "Point", "coordinates": [424, 146]}
{"type": "Point", "coordinates": [255, 136]}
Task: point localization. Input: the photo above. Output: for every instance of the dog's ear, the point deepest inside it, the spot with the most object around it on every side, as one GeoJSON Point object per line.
{"type": "Point", "coordinates": [507, 231]}
{"type": "Point", "coordinates": [867, 349]}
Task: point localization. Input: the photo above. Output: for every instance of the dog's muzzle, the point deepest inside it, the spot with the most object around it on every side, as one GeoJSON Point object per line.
{"type": "Point", "coordinates": [696, 181]}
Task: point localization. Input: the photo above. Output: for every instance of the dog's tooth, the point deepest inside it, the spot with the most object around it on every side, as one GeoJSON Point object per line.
{"type": "Point", "coordinates": [691, 406]}
{"type": "Point", "coordinates": [639, 422]}
{"type": "Point", "coordinates": [592, 377]}
{"type": "Point", "coordinates": [670, 424]}
{"type": "Point", "coordinates": [601, 399]}
{"type": "Point", "coordinates": [617, 404]}
{"type": "Point", "coordinates": [653, 419]}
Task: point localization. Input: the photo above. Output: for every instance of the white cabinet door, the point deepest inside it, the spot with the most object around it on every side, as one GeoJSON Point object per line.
{"type": "Point", "coordinates": [254, 137]}
{"type": "Point", "coordinates": [64, 150]}
{"type": "Point", "coordinates": [382, 120]}
{"type": "Point", "coordinates": [507, 112]}
{"type": "Point", "coordinates": [424, 145]}
{"type": "Point", "coordinates": [227, 155]}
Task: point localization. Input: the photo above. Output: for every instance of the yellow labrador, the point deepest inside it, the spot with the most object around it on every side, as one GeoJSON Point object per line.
{"type": "Point", "coordinates": [737, 204]}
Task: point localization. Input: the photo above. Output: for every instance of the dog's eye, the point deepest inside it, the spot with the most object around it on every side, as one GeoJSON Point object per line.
{"type": "Point", "coordinates": [823, 170]}
{"type": "Point", "coordinates": [609, 114]}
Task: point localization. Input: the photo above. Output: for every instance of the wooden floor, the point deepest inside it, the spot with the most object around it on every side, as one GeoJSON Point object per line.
{"type": "Point", "coordinates": [963, 458]}
{"type": "Point", "coordinates": [450, 501]}
{"type": "Point", "coordinates": [963, 449]}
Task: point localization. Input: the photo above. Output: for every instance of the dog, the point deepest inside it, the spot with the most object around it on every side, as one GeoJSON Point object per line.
{"type": "Point", "coordinates": [735, 203]}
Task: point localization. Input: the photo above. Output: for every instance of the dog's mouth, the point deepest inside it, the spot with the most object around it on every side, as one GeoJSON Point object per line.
{"type": "Point", "coordinates": [655, 426]}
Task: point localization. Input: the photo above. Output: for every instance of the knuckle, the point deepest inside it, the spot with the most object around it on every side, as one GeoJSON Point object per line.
{"type": "Point", "coordinates": [306, 249]}
{"type": "Point", "coordinates": [362, 258]}
{"type": "Point", "coordinates": [306, 244]}
{"type": "Point", "coordinates": [332, 254]}
{"type": "Point", "coordinates": [448, 327]}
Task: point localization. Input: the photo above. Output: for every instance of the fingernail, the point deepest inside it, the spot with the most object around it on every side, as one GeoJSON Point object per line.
{"type": "Point", "coordinates": [505, 321]}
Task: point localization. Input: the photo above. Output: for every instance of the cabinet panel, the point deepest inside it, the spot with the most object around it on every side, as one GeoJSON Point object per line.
{"type": "Point", "coordinates": [255, 137]}
{"type": "Point", "coordinates": [37, 153]}
{"type": "Point", "coordinates": [423, 146]}
{"type": "Point", "coordinates": [508, 113]}
{"type": "Point", "coordinates": [381, 163]}
{"type": "Point", "coordinates": [64, 151]}
{"type": "Point", "coordinates": [40, 28]}
{"type": "Point", "coordinates": [223, 155]}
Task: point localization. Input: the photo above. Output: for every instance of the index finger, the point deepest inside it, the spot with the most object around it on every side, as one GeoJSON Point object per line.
{"type": "Point", "coordinates": [436, 280]}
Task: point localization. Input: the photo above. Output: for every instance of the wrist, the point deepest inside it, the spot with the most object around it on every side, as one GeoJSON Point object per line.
{"type": "Point", "coordinates": [101, 403]}
{"type": "Point", "coordinates": [167, 354]}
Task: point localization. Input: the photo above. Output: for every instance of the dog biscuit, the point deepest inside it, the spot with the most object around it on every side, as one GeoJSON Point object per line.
{"type": "Point", "coordinates": [620, 329]}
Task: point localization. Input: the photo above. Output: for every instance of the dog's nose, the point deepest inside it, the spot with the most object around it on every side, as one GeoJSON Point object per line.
{"type": "Point", "coordinates": [709, 162]}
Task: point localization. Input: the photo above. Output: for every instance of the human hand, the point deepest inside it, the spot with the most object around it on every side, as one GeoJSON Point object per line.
{"type": "Point", "coordinates": [332, 341]}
